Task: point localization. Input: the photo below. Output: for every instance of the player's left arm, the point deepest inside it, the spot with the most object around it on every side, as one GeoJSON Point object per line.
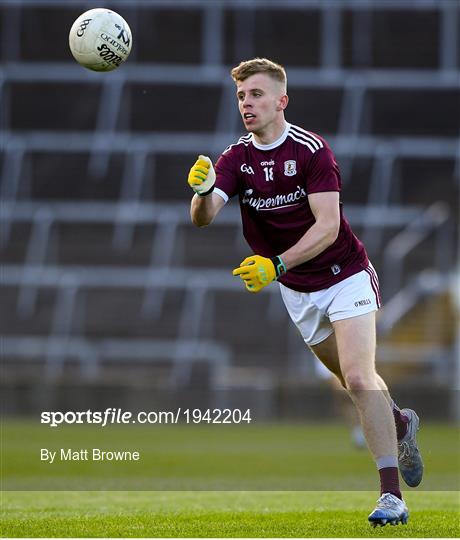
{"type": "Point", "coordinates": [258, 272]}
{"type": "Point", "coordinates": [322, 234]}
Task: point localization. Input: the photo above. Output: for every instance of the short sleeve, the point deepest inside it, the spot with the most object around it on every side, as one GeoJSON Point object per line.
{"type": "Point", "coordinates": [227, 180]}
{"type": "Point", "coordinates": [323, 172]}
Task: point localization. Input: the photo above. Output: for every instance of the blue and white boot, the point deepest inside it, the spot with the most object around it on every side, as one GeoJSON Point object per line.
{"type": "Point", "coordinates": [389, 509]}
{"type": "Point", "coordinates": [409, 459]}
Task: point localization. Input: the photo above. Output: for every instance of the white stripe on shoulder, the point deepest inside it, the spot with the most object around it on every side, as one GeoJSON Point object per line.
{"type": "Point", "coordinates": [221, 193]}
{"type": "Point", "coordinates": [306, 138]}
{"type": "Point", "coordinates": [304, 142]}
{"type": "Point", "coordinates": [245, 139]}
{"type": "Point", "coordinates": [307, 134]}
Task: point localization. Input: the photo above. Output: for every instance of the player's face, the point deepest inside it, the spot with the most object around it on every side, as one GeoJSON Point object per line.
{"type": "Point", "coordinates": [261, 101]}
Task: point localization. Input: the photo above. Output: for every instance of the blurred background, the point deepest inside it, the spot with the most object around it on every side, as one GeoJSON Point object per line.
{"type": "Point", "coordinates": [108, 291]}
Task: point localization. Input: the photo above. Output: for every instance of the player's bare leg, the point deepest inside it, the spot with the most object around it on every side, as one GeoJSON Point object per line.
{"type": "Point", "coordinates": [406, 420]}
{"type": "Point", "coordinates": [327, 352]}
{"type": "Point", "coordinates": [350, 354]}
{"type": "Point", "coordinates": [356, 344]}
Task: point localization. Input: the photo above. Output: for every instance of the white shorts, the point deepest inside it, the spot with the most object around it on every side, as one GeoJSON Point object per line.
{"type": "Point", "coordinates": [314, 312]}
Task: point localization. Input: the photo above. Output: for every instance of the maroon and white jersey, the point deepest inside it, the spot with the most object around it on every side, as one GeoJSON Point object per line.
{"type": "Point", "coordinates": [273, 183]}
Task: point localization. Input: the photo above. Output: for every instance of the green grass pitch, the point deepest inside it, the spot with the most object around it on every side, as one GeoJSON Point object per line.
{"type": "Point", "coordinates": [220, 514]}
{"type": "Point", "coordinates": [267, 482]}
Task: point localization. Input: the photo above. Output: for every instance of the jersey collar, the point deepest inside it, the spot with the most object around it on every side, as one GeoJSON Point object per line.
{"type": "Point", "coordinates": [273, 144]}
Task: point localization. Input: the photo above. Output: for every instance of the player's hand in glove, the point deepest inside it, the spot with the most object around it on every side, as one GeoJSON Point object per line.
{"type": "Point", "coordinates": [202, 176]}
{"type": "Point", "coordinates": [257, 272]}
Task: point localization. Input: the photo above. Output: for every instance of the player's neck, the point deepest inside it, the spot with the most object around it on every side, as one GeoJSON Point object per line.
{"type": "Point", "coordinates": [271, 133]}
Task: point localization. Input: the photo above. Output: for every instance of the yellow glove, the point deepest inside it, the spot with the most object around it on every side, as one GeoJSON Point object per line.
{"type": "Point", "coordinates": [257, 272]}
{"type": "Point", "coordinates": [202, 176]}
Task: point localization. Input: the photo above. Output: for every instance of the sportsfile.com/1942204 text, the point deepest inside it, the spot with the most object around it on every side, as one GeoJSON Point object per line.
{"type": "Point", "coordinates": [114, 415]}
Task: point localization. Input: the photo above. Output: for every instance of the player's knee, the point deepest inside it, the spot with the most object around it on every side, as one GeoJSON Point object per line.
{"type": "Point", "coordinates": [356, 381]}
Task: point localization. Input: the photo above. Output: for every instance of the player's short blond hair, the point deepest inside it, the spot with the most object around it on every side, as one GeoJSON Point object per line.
{"type": "Point", "coordinates": [248, 68]}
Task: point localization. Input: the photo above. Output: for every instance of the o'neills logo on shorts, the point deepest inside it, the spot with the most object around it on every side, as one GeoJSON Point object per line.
{"type": "Point", "coordinates": [273, 203]}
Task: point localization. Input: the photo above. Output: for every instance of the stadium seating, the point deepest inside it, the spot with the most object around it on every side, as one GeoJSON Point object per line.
{"type": "Point", "coordinates": [94, 167]}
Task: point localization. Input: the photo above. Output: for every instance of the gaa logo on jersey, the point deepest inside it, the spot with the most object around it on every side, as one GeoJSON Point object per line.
{"type": "Point", "coordinates": [247, 169]}
{"type": "Point", "coordinates": [290, 167]}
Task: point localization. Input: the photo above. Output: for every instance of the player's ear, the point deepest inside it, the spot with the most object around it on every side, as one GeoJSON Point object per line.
{"type": "Point", "coordinates": [283, 102]}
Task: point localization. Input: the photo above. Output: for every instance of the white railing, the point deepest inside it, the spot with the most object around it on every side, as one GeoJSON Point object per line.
{"type": "Point", "coordinates": [92, 353]}
{"type": "Point", "coordinates": [436, 219]}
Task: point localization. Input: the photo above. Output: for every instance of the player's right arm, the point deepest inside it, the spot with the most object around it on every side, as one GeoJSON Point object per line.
{"type": "Point", "coordinates": [205, 204]}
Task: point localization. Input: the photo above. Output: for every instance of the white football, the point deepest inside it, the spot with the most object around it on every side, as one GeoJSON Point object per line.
{"type": "Point", "coordinates": [100, 39]}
